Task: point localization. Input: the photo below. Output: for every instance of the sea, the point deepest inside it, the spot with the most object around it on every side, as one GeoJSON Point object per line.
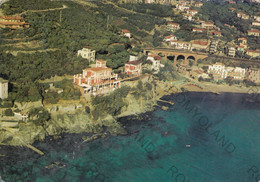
{"type": "Point", "coordinates": [203, 137]}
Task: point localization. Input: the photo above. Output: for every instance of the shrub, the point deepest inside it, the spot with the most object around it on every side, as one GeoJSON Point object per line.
{"type": "Point", "coordinates": [9, 112]}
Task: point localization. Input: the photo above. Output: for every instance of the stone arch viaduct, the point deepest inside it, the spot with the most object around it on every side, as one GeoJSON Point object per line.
{"type": "Point", "coordinates": [176, 53]}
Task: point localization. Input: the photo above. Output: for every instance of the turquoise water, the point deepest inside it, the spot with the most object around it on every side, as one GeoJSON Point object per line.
{"type": "Point", "coordinates": [155, 148]}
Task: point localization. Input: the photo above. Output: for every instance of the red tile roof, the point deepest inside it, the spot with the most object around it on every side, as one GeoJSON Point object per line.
{"type": "Point", "coordinates": [198, 29]}
{"type": "Point", "coordinates": [255, 51]}
{"type": "Point", "coordinates": [199, 42]}
{"type": "Point", "coordinates": [125, 31]}
{"type": "Point", "coordinates": [98, 69]}
{"type": "Point", "coordinates": [255, 31]}
{"type": "Point", "coordinates": [134, 62]}
{"type": "Point", "coordinates": [171, 23]}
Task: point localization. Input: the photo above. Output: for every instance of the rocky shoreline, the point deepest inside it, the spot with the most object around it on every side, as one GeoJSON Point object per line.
{"type": "Point", "coordinates": [81, 122]}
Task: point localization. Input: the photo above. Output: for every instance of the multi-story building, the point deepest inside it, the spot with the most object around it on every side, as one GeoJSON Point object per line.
{"type": "Point", "coordinates": [87, 53]}
{"type": "Point", "coordinates": [156, 60]}
{"type": "Point", "coordinates": [231, 51]}
{"type": "Point", "coordinates": [242, 15]}
{"type": "Point", "coordinates": [253, 32]}
{"type": "Point", "coordinates": [133, 68]}
{"type": "Point", "coordinates": [3, 88]}
{"type": "Point", "coordinates": [217, 70]}
{"type": "Point", "coordinates": [182, 7]}
{"type": "Point", "coordinates": [199, 45]}
{"type": "Point", "coordinates": [187, 16]}
{"type": "Point", "coordinates": [213, 47]}
{"type": "Point", "coordinates": [192, 12]}
{"type": "Point", "coordinates": [242, 41]}
{"type": "Point", "coordinates": [98, 79]}
{"type": "Point", "coordinates": [13, 22]}
{"type": "Point", "coordinates": [253, 75]}
{"type": "Point", "coordinates": [173, 26]}
{"type": "Point", "coordinates": [180, 45]}
{"type": "Point", "coordinates": [238, 73]}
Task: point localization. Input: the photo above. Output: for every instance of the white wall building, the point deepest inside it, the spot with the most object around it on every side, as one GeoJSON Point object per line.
{"type": "Point", "coordinates": [86, 53]}
{"type": "Point", "coordinates": [3, 88]}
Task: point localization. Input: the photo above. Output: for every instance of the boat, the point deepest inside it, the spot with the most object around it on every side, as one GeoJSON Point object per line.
{"type": "Point", "coordinates": [187, 146]}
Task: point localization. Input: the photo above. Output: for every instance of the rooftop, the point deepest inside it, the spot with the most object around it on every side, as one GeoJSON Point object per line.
{"type": "Point", "coordinates": [125, 31]}
{"type": "Point", "coordinates": [199, 42]}
{"type": "Point", "coordinates": [134, 62]}
{"type": "Point", "coordinates": [98, 69]}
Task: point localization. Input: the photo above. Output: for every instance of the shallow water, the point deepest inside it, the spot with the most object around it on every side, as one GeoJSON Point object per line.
{"type": "Point", "coordinates": [155, 148]}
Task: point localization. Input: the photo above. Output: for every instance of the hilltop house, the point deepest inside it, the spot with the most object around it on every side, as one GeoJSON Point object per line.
{"type": "Point", "coordinates": [3, 88]}
{"type": "Point", "coordinates": [242, 41]}
{"type": "Point", "coordinates": [86, 53]}
{"type": "Point", "coordinates": [133, 68]}
{"type": "Point", "coordinates": [98, 79]}
{"type": "Point", "coordinates": [180, 45]}
{"type": "Point", "coordinates": [13, 22]}
{"type": "Point", "coordinates": [126, 33]}
{"type": "Point", "coordinates": [170, 38]}
{"type": "Point", "coordinates": [156, 62]}
{"type": "Point", "coordinates": [198, 4]}
{"type": "Point", "coordinates": [200, 30]}
{"type": "Point", "coordinates": [242, 15]}
{"type": "Point", "coordinates": [253, 32]}
{"type": "Point", "coordinates": [220, 72]}
{"type": "Point", "coordinates": [173, 26]}
{"type": "Point", "coordinates": [187, 16]}
{"type": "Point", "coordinates": [192, 12]}
{"type": "Point", "coordinates": [182, 7]}
{"type": "Point", "coordinates": [253, 75]}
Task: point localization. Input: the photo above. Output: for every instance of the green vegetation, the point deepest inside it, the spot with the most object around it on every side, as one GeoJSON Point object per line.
{"type": "Point", "coordinates": [39, 115]}
{"type": "Point", "coordinates": [110, 104]}
{"type": "Point", "coordinates": [168, 72]}
{"type": "Point", "coordinates": [9, 112]}
{"type": "Point", "coordinates": [138, 24]}
{"type": "Point", "coordinates": [18, 6]}
{"type": "Point", "coordinates": [151, 9]}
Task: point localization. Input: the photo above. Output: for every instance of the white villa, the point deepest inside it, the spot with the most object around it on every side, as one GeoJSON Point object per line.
{"type": "Point", "coordinates": [86, 53]}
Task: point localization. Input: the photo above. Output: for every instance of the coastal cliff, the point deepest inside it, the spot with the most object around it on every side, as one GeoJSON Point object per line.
{"type": "Point", "coordinates": [140, 97]}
